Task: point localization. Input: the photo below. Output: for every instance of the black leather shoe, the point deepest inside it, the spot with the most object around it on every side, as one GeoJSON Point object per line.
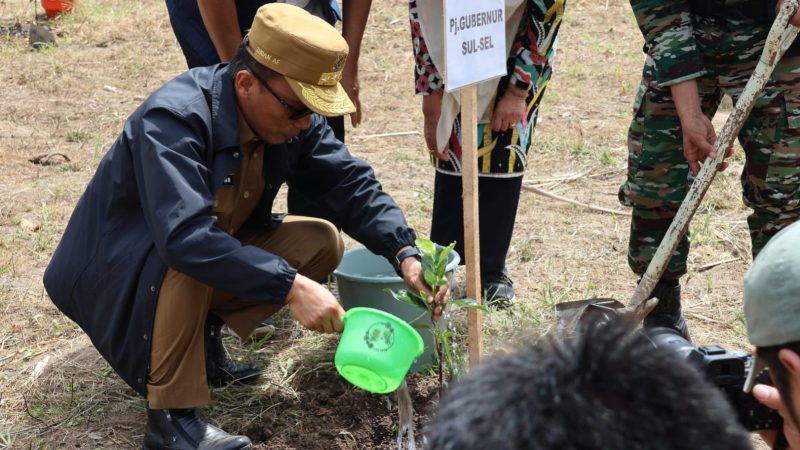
{"type": "Point", "coordinates": [498, 290]}
{"type": "Point", "coordinates": [183, 429]}
{"type": "Point", "coordinates": [221, 370]}
{"type": "Point", "coordinates": [667, 312]}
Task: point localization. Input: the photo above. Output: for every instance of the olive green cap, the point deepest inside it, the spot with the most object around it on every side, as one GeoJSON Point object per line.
{"type": "Point", "coordinates": [772, 295]}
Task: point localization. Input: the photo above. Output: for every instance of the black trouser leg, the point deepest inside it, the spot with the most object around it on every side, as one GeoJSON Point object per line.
{"type": "Point", "coordinates": [498, 199]}
{"type": "Point", "coordinates": [193, 59]}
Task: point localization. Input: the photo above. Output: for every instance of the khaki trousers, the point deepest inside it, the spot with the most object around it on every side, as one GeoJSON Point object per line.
{"type": "Point", "coordinates": [177, 376]}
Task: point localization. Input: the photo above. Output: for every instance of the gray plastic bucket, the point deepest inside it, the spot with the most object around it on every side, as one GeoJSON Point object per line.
{"type": "Point", "coordinates": [361, 278]}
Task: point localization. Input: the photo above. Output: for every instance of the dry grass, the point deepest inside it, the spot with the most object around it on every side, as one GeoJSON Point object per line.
{"type": "Point", "coordinates": [73, 98]}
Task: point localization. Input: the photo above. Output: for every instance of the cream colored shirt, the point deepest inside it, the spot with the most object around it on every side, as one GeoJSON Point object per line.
{"type": "Point", "coordinates": [241, 191]}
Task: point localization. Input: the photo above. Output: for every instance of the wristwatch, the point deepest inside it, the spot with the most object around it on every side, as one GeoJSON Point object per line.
{"type": "Point", "coordinates": [402, 255]}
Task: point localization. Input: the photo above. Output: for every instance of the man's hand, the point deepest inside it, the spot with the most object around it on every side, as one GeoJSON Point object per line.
{"type": "Point", "coordinates": [414, 277]}
{"type": "Point", "coordinates": [795, 19]}
{"type": "Point", "coordinates": [351, 86]}
{"type": "Point", "coordinates": [354, 20]}
{"type": "Point", "coordinates": [698, 141]}
{"type": "Point", "coordinates": [314, 306]}
{"type": "Point", "coordinates": [510, 109]}
{"type": "Point", "coordinates": [770, 396]}
{"type": "Point", "coordinates": [432, 110]}
{"type": "Point", "coordinates": [698, 132]}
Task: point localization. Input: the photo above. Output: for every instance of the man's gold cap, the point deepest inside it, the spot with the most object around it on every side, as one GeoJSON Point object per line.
{"type": "Point", "coordinates": [306, 50]}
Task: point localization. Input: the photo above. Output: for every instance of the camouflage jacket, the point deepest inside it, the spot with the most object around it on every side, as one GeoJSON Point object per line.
{"type": "Point", "coordinates": [669, 39]}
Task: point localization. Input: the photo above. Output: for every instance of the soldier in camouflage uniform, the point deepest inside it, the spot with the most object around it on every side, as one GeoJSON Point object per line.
{"type": "Point", "coordinates": [696, 52]}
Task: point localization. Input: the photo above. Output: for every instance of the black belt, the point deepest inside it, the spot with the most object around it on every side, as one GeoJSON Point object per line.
{"type": "Point", "coordinates": [758, 10]}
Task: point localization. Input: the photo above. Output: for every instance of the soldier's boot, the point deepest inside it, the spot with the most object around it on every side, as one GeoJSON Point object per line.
{"type": "Point", "coordinates": [667, 312]}
{"type": "Point", "coordinates": [221, 370]}
{"type": "Point", "coordinates": [183, 429]}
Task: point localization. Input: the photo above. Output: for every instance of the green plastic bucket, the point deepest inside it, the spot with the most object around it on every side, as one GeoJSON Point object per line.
{"type": "Point", "coordinates": [361, 279]}
{"type": "Point", "coordinates": [376, 350]}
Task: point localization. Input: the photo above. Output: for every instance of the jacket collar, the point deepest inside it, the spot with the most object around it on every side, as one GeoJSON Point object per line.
{"type": "Point", "coordinates": [224, 111]}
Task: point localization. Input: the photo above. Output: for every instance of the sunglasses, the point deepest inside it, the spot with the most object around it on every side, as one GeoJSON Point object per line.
{"type": "Point", "coordinates": [294, 113]}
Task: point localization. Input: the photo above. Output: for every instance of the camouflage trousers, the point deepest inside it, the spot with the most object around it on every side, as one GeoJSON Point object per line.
{"type": "Point", "coordinates": [658, 175]}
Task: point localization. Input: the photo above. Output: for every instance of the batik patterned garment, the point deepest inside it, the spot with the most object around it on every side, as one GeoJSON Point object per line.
{"type": "Point", "coordinates": [529, 66]}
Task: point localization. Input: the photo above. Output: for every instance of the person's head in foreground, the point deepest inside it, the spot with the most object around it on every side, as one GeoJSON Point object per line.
{"type": "Point", "coordinates": [605, 388]}
{"type": "Point", "coordinates": [772, 313]}
{"type": "Point", "coordinates": [288, 67]}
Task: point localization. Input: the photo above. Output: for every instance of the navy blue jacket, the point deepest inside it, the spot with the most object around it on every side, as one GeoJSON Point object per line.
{"type": "Point", "coordinates": [149, 206]}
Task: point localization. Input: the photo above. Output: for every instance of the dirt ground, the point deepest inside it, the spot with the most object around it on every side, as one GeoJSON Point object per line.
{"type": "Point", "coordinates": [64, 105]}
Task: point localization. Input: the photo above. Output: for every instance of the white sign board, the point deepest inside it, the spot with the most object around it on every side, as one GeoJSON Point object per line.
{"type": "Point", "coordinates": [475, 39]}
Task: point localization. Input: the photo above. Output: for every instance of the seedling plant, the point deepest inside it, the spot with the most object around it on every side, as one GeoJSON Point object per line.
{"type": "Point", "coordinates": [450, 360]}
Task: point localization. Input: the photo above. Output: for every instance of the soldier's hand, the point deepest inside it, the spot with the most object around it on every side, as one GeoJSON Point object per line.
{"type": "Point", "coordinates": [432, 110]}
{"type": "Point", "coordinates": [314, 306]}
{"type": "Point", "coordinates": [795, 19]}
{"type": "Point", "coordinates": [698, 141]}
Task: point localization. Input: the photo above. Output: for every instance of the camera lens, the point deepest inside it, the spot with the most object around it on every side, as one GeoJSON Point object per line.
{"type": "Point", "coordinates": [664, 338]}
{"type": "Point", "coordinates": [726, 370]}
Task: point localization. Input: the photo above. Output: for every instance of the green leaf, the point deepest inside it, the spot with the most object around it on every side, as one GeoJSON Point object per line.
{"type": "Point", "coordinates": [441, 257]}
{"type": "Point", "coordinates": [406, 297]}
{"type": "Point", "coordinates": [423, 313]}
{"type": "Point", "coordinates": [427, 247]}
{"type": "Point", "coordinates": [431, 278]}
{"type": "Point", "coordinates": [428, 266]}
{"type": "Point", "coordinates": [445, 335]}
{"type": "Point", "coordinates": [468, 303]}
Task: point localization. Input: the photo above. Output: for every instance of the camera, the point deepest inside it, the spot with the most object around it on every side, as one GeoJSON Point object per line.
{"type": "Point", "coordinates": [726, 370]}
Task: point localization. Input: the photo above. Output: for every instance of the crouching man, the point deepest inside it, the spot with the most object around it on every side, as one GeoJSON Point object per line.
{"type": "Point", "coordinates": [772, 313]}
{"type": "Point", "coordinates": [175, 232]}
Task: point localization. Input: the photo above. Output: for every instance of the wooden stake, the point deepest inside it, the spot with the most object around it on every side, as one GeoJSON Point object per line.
{"type": "Point", "coordinates": [469, 178]}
